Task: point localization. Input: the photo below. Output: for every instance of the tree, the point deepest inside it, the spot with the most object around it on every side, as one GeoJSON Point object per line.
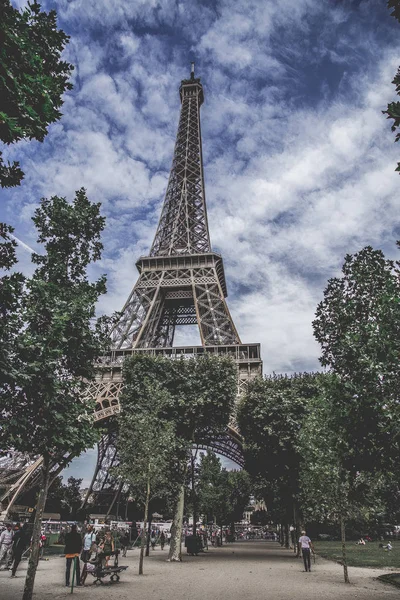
{"type": "Point", "coordinates": [270, 417]}
{"type": "Point", "coordinates": [223, 495]}
{"type": "Point", "coordinates": [33, 78]}
{"type": "Point", "coordinates": [41, 407]}
{"type": "Point", "coordinates": [212, 488]}
{"type": "Point", "coordinates": [72, 497]}
{"type": "Point", "coordinates": [204, 392]}
{"type": "Point", "coordinates": [65, 499]}
{"type": "Point", "coordinates": [331, 492]}
{"type": "Point", "coordinates": [358, 327]}
{"type": "Point", "coordinates": [201, 394]}
{"type": "Point", "coordinates": [239, 491]}
{"type": "Point", "coordinates": [148, 447]}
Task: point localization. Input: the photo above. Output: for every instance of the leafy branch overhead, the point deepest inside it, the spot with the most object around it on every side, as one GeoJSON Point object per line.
{"type": "Point", "coordinates": [33, 78]}
{"type": "Point", "coordinates": [393, 108]}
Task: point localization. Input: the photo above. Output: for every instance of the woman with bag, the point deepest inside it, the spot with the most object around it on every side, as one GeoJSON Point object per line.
{"type": "Point", "coordinates": [108, 547]}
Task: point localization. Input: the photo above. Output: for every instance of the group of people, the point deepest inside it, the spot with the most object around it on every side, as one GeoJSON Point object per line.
{"type": "Point", "coordinates": [84, 548]}
{"type": "Point", "coordinates": [159, 536]}
{"type": "Point", "coordinates": [13, 543]}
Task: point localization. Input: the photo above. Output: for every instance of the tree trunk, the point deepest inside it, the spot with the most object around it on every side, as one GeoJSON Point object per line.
{"type": "Point", "coordinates": [149, 520]}
{"type": "Point", "coordinates": [175, 548]}
{"type": "Point", "coordinates": [194, 494]}
{"type": "Point", "coordinates": [344, 557]}
{"type": "Point", "coordinates": [287, 535]}
{"type": "Point", "coordinates": [296, 529]}
{"type": "Point", "coordinates": [281, 537]}
{"type": "Point", "coordinates": [37, 526]}
{"type": "Point", "coordinates": [233, 536]}
{"type": "Point", "coordinates": [143, 540]}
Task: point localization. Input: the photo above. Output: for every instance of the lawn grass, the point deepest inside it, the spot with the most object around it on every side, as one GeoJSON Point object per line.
{"type": "Point", "coordinates": [392, 578]}
{"type": "Point", "coordinates": [369, 555]}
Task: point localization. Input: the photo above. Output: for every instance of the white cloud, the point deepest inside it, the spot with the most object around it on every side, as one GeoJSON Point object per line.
{"type": "Point", "coordinates": [299, 159]}
{"type": "Point", "coordinates": [295, 178]}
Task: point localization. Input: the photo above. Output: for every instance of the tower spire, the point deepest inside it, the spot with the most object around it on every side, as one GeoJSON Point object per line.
{"type": "Point", "coordinates": [183, 227]}
{"type": "Point", "coordinates": [182, 281]}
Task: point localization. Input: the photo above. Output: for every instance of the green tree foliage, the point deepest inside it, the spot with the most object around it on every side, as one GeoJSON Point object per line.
{"type": "Point", "coordinates": [355, 431]}
{"type": "Point", "coordinates": [149, 451]}
{"type": "Point", "coordinates": [65, 499]}
{"type": "Point", "coordinates": [199, 398]}
{"type": "Point", "coordinates": [212, 488]}
{"type": "Point", "coordinates": [55, 495]}
{"type": "Point", "coordinates": [330, 492]}
{"type": "Point", "coordinates": [358, 327]}
{"type": "Point", "coordinates": [270, 417]}
{"type": "Point", "coordinates": [11, 289]}
{"type": "Point", "coordinates": [41, 408]}
{"type": "Point", "coordinates": [223, 495]}
{"type": "Point", "coordinates": [239, 491]}
{"type": "Point", "coordinates": [72, 499]}
{"type": "Point", "coordinates": [393, 108]}
{"type": "Point", "coordinates": [33, 78]}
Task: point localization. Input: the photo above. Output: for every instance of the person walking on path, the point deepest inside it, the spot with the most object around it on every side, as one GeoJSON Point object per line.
{"type": "Point", "coordinates": [305, 544]}
{"type": "Point", "coordinates": [6, 541]}
{"type": "Point", "coordinates": [20, 544]}
{"type": "Point", "coordinates": [73, 547]}
{"type": "Point", "coordinates": [162, 540]}
{"type": "Point", "coordinates": [124, 542]}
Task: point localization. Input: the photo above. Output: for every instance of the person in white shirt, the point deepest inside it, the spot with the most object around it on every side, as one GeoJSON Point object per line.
{"type": "Point", "coordinates": [305, 544]}
{"type": "Point", "coordinates": [6, 541]}
{"type": "Point", "coordinates": [89, 544]}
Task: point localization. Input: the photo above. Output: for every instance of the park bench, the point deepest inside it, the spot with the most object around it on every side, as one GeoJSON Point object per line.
{"type": "Point", "coordinates": [100, 572]}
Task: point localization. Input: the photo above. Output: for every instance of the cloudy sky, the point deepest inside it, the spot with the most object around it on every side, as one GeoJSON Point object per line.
{"type": "Point", "coordinates": [299, 160]}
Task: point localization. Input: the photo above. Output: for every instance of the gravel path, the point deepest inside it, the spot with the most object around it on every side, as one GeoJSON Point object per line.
{"type": "Point", "coordinates": [251, 570]}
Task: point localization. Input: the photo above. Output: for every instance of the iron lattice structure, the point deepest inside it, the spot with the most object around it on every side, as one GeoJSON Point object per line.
{"type": "Point", "coordinates": [181, 282]}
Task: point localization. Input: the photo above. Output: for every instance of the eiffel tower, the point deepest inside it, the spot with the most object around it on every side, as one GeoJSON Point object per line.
{"type": "Point", "coordinates": [181, 282]}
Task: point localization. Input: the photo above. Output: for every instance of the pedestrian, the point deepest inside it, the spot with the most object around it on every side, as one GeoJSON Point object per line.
{"type": "Point", "coordinates": [73, 547]}
{"type": "Point", "coordinates": [107, 547]}
{"type": "Point", "coordinates": [6, 541]}
{"type": "Point", "coordinates": [89, 544]}
{"type": "Point", "coordinates": [124, 541]}
{"type": "Point", "coordinates": [20, 544]}
{"type": "Point", "coordinates": [42, 544]}
{"type": "Point", "coordinates": [153, 539]}
{"type": "Point", "coordinates": [162, 540]}
{"type": "Point", "coordinates": [305, 544]}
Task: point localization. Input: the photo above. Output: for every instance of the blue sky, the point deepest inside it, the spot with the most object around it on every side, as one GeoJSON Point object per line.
{"type": "Point", "coordinates": [299, 160]}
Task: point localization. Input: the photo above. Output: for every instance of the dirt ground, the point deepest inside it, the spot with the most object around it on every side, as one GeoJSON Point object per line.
{"type": "Point", "coordinates": [250, 570]}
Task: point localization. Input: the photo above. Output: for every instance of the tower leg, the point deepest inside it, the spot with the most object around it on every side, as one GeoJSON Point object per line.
{"type": "Point", "coordinates": [104, 484]}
